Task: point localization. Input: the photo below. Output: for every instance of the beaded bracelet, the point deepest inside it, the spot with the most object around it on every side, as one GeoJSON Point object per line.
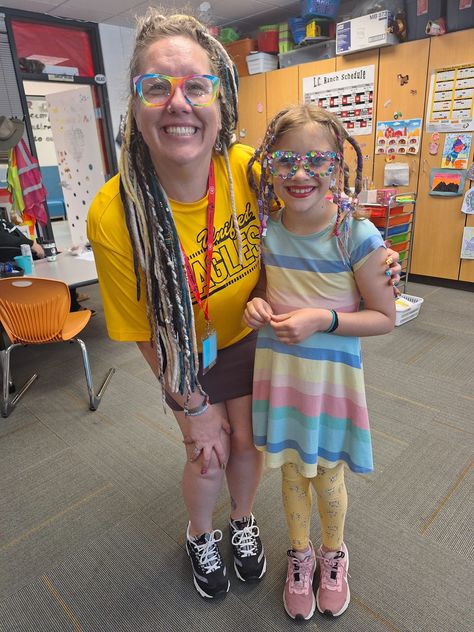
{"type": "Point", "coordinates": [334, 323]}
{"type": "Point", "coordinates": [198, 410]}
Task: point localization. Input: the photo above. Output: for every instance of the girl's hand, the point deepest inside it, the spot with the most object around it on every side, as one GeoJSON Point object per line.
{"type": "Point", "coordinates": [206, 434]}
{"type": "Point", "coordinates": [257, 313]}
{"type": "Point", "coordinates": [296, 326]}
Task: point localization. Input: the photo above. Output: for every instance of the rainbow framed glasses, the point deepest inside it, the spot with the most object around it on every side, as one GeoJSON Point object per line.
{"type": "Point", "coordinates": [155, 90]}
{"type": "Point", "coordinates": [285, 164]}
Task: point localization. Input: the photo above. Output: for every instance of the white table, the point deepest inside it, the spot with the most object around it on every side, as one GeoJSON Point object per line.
{"type": "Point", "coordinates": [72, 270]}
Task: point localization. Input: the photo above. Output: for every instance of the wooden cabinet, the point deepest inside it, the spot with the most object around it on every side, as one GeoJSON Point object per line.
{"type": "Point", "coordinates": [409, 60]}
{"type": "Point", "coordinates": [252, 109]}
{"type": "Point", "coordinates": [282, 90]}
{"type": "Point", "coordinates": [312, 69]}
{"type": "Point", "coordinates": [439, 222]}
{"type": "Point", "coordinates": [365, 141]}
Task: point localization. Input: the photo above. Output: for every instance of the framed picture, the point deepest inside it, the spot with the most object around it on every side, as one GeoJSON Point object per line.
{"type": "Point", "coordinates": [447, 182]}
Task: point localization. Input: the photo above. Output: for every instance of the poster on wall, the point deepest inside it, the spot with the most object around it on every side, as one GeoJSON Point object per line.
{"type": "Point", "coordinates": [398, 137]}
{"type": "Point", "coordinates": [468, 202]}
{"type": "Point", "coordinates": [447, 182]}
{"type": "Point", "coordinates": [349, 94]}
{"type": "Point", "coordinates": [78, 152]}
{"type": "Point", "coordinates": [456, 151]}
{"type": "Point", "coordinates": [451, 100]}
{"type": "Point", "coordinates": [467, 247]}
{"type": "Point", "coordinates": [41, 126]}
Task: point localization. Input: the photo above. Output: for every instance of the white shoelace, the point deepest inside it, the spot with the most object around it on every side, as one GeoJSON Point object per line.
{"type": "Point", "coordinates": [208, 553]}
{"type": "Point", "coordinates": [245, 539]}
{"type": "Point", "coordinates": [303, 569]}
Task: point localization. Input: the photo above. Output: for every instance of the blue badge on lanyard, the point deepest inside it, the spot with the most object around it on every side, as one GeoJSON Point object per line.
{"type": "Point", "coordinates": [209, 350]}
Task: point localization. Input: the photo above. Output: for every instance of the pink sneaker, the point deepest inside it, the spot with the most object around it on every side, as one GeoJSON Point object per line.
{"type": "Point", "coordinates": [298, 596]}
{"type": "Point", "coordinates": [333, 595]}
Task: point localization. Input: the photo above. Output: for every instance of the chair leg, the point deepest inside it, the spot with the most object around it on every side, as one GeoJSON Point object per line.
{"type": "Point", "coordinates": [8, 404]}
{"type": "Point", "coordinates": [94, 400]}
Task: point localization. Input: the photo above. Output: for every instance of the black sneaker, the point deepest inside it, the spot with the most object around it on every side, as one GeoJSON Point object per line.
{"type": "Point", "coordinates": [209, 571]}
{"type": "Point", "coordinates": [249, 557]}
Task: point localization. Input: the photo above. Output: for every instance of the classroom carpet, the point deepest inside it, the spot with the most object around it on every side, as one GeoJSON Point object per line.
{"type": "Point", "coordinates": [92, 522]}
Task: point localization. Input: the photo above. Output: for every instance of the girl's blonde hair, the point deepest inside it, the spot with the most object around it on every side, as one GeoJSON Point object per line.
{"type": "Point", "coordinates": [149, 218]}
{"type": "Point", "coordinates": [292, 118]}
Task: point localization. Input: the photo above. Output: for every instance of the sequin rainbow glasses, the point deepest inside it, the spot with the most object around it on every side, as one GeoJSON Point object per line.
{"type": "Point", "coordinates": [285, 164]}
{"type": "Point", "coordinates": [156, 91]}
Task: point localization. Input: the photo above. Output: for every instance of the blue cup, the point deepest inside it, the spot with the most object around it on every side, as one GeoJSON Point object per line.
{"type": "Point", "coordinates": [25, 263]}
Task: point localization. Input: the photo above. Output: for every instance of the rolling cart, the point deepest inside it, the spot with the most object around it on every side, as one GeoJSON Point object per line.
{"type": "Point", "coordinates": [396, 221]}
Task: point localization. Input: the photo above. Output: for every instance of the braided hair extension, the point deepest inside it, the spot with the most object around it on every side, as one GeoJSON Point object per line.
{"type": "Point", "coordinates": [266, 198]}
{"type": "Point", "coordinates": [293, 117]}
{"type": "Point", "coordinates": [157, 256]}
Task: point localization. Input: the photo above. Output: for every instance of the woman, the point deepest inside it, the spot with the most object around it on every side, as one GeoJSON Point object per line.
{"type": "Point", "coordinates": [183, 179]}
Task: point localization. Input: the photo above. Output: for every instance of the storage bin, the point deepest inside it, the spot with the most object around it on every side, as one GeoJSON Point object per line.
{"type": "Point", "coordinates": [298, 29]}
{"type": "Point", "coordinates": [227, 35]}
{"type": "Point", "coordinates": [267, 41]}
{"type": "Point", "coordinates": [261, 62]}
{"type": "Point", "coordinates": [457, 18]}
{"type": "Point", "coordinates": [393, 221]}
{"type": "Point", "coordinates": [313, 52]}
{"type": "Point", "coordinates": [393, 230]}
{"type": "Point", "coordinates": [319, 8]}
{"type": "Point", "coordinates": [238, 52]}
{"type": "Point", "coordinates": [381, 211]}
{"type": "Point", "coordinates": [285, 41]}
{"type": "Point", "coordinates": [384, 195]}
{"type": "Point", "coordinates": [402, 247]}
{"type": "Point", "coordinates": [399, 239]}
{"type": "Point", "coordinates": [407, 307]}
{"type": "Point", "coordinates": [416, 24]}
{"type": "Point", "coordinates": [320, 28]}
{"type": "Point", "coordinates": [268, 27]}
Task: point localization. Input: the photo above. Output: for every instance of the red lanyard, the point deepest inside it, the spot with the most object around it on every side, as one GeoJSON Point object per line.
{"type": "Point", "coordinates": [211, 200]}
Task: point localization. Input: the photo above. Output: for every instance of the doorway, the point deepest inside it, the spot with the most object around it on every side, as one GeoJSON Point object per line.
{"type": "Point", "coordinates": [67, 140]}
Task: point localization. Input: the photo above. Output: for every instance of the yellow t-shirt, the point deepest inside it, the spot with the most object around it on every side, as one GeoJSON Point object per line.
{"type": "Point", "coordinates": [231, 283]}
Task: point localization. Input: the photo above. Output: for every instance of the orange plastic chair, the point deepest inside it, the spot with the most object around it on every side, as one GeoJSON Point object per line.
{"type": "Point", "coordinates": [36, 311]}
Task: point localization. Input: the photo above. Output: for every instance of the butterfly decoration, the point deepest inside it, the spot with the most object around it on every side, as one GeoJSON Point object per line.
{"type": "Point", "coordinates": [403, 79]}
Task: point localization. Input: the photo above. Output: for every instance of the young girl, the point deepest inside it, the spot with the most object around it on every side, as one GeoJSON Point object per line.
{"type": "Point", "coordinates": [309, 407]}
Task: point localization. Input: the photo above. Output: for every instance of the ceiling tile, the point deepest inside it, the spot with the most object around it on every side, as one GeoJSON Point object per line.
{"type": "Point", "coordinates": [112, 7]}
{"type": "Point", "coordinates": [78, 13]}
{"type": "Point", "coordinates": [39, 6]}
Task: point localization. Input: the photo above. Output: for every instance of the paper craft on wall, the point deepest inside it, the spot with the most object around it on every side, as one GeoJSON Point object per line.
{"type": "Point", "coordinates": [456, 151]}
{"type": "Point", "coordinates": [396, 174]}
{"type": "Point", "coordinates": [398, 137]}
{"type": "Point", "coordinates": [451, 100]}
{"type": "Point", "coordinates": [447, 182]}
{"type": "Point", "coordinates": [349, 94]}
{"type": "Point", "coordinates": [468, 202]}
{"type": "Point", "coordinates": [467, 248]}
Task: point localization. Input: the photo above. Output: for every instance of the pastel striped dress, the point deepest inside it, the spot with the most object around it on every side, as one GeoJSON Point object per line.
{"type": "Point", "coordinates": [309, 402]}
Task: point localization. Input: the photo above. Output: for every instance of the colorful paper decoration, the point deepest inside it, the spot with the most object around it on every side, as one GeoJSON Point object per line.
{"type": "Point", "coordinates": [447, 182]}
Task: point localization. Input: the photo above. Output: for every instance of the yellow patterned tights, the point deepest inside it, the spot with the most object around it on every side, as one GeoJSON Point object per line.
{"type": "Point", "coordinates": [332, 505]}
